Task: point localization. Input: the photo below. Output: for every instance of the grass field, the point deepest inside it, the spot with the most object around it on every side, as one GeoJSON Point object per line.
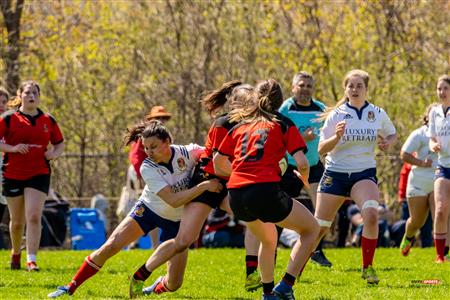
{"type": "Point", "coordinates": [219, 274]}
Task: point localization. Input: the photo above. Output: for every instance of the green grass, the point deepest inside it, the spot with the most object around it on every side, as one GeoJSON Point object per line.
{"type": "Point", "coordinates": [219, 274]}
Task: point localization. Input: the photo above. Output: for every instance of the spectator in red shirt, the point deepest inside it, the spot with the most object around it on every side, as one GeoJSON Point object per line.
{"type": "Point", "coordinates": [401, 195]}
{"type": "Point", "coordinates": [26, 132]}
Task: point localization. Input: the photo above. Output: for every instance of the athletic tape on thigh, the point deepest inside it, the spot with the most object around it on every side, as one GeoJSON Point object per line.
{"type": "Point", "coordinates": [324, 223]}
{"type": "Point", "coordinates": [370, 204]}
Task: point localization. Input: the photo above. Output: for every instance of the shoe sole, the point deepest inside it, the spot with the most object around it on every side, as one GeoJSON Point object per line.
{"type": "Point", "coordinates": [405, 252]}
{"type": "Point", "coordinates": [320, 264]}
{"type": "Point", "coordinates": [253, 288]}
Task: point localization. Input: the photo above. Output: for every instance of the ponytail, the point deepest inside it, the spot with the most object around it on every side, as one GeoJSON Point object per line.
{"type": "Point", "coordinates": [217, 98]}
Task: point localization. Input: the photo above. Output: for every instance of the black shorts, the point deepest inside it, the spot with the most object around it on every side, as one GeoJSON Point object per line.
{"type": "Point", "coordinates": [14, 188]}
{"type": "Point", "coordinates": [264, 201]}
{"type": "Point", "coordinates": [209, 198]}
{"type": "Point", "coordinates": [316, 172]}
{"type": "Point", "coordinates": [290, 183]}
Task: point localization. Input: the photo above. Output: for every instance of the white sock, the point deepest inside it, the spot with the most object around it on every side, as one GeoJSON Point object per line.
{"type": "Point", "coordinates": [31, 257]}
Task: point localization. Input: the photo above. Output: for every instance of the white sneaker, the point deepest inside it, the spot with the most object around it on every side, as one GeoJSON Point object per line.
{"type": "Point", "coordinates": [150, 290]}
{"type": "Point", "coordinates": [61, 290]}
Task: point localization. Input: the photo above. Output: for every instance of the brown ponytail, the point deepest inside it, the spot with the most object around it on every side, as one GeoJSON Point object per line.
{"type": "Point", "coordinates": [217, 98]}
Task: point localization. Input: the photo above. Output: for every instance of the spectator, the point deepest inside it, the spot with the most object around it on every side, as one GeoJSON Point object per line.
{"type": "Point", "coordinates": [222, 231]}
{"type": "Point", "coordinates": [27, 132]}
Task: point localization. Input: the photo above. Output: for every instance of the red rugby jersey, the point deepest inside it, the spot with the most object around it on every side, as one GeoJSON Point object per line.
{"type": "Point", "coordinates": [257, 149]}
{"type": "Point", "coordinates": [19, 128]}
{"type": "Point", "coordinates": [218, 131]}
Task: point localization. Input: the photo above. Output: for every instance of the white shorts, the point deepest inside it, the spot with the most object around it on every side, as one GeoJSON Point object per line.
{"type": "Point", "coordinates": [419, 186]}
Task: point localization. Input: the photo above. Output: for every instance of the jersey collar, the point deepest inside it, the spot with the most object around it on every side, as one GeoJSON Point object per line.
{"type": "Point", "coordinates": [32, 119]}
{"type": "Point", "coordinates": [359, 112]}
{"type": "Point", "coordinates": [169, 164]}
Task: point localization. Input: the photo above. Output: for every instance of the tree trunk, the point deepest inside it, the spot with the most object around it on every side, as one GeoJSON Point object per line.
{"type": "Point", "coordinates": [10, 55]}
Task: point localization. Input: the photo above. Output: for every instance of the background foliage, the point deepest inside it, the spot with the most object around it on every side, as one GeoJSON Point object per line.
{"type": "Point", "coordinates": [103, 64]}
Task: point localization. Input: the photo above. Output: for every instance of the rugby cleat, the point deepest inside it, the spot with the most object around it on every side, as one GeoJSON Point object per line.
{"type": "Point", "coordinates": [32, 267]}
{"type": "Point", "coordinates": [135, 287]}
{"type": "Point", "coordinates": [253, 282]}
{"type": "Point", "coordinates": [283, 292]}
{"type": "Point", "coordinates": [406, 245]}
{"type": "Point", "coordinates": [151, 289]}
{"type": "Point", "coordinates": [318, 257]}
{"type": "Point", "coordinates": [60, 291]}
{"type": "Point", "coordinates": [15, 262]}
{"type": "Point", "coordinates": [270, 297]}
{"type": "Point", "coordinates": [370, 275]}
{"type": "Point", "coordinates": [440, 259]}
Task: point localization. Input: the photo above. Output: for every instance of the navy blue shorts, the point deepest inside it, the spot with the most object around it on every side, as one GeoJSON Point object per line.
{"type": "Point", "coordinates": [316, 172]}
{"type": "Point", "coordinates": [14, 187]}
{"type": "Point", "coordinates": [337, 183]}
{"type": "Point", "coordinates": [442, 172]}
{"type": "Point", "coordinates": [148, 221]}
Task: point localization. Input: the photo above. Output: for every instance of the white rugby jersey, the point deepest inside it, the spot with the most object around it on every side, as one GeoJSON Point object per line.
{"type": "Point", "coordinates": [177, 174]}
{"type": "Point", "coordinates": [355, 151]}
{"type": "Point", "coordinates": [418, 142]}
{"type": "Point", "coordinates": [439, 128]}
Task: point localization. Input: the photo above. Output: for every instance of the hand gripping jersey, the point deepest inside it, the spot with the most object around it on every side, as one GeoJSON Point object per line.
{"type": "Point", "coordinates": [418, 142]}
{"type": "Point", "coordinates": [256, 149]}
{"type": "Point", "coordinates": [37, 131]}
{"type": "Point", "coordinates": [304, 117]}
{"type": "Point", "coordinates": [439, 128]}
{"type": "Point", "coordinates": [176, 174]}
{"type": "Point", "coordinates": [355, 151]}
{"type": "Point", "coordinates": [218, 131]}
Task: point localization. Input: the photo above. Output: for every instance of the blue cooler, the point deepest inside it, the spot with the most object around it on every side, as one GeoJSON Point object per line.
{"type": "Point", "coordinates": [87, 231]}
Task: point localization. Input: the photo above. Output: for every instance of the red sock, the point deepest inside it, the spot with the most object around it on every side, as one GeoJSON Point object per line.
{"type": "Point", "coordinates": [87, 269]}
{"type": "Point", "coordinates": [439, 243]}
{"type": "Point", "coordinates": [161, 287]}
{"type": "Point", "coordinates": [15, 258]}
{"type": "Point", "coordinates": [368, 247]}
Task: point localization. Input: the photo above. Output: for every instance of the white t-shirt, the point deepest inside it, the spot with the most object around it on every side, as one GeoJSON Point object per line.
{"type": "Point", "coordinates": [439, 128]}
{"type": "Point", "coordinates": [355, 151]}
{"type": "Point", "coordinates": [176, 174]}
{"type": "Point", "coordinates": [417, 142]}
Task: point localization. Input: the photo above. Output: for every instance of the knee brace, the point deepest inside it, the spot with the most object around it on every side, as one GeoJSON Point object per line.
{"type": "Point", "coordinates": [370, 204]}
{"type": "Point", "coordinates": [324, 223]}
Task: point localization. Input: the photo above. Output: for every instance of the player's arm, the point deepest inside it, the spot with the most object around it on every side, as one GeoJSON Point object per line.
{"type": "Point", "coordinates": [328, 144]}
{"type": "Point", "coordinates": [55, 151]}
{"type": "Point", "coordinates": [222, 165]}
{"type": "Point", "coordinates": [182, 197]}
{"type": "Point", "coordinates": [410, 146]}
{"type": "Point", "coordinates": [434, 145]}
{"type": "Point", "coordinates": [302, 166]}
{"type": "Point", "coordinates": [411, 159]}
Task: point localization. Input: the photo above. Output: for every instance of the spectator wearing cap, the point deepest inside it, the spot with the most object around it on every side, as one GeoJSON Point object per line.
{"type": "Point", "coordinates": [137, 154]}
{"type": "Point", "coordinates": [158, 113]}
